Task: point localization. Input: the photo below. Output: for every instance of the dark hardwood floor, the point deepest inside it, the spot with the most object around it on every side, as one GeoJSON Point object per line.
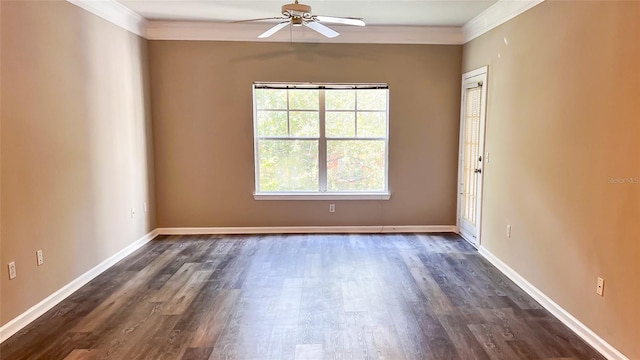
{"type": "Point", "coordinates": [299, 297]}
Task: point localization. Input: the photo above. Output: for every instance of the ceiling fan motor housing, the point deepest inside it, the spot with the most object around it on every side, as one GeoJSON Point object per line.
{"type": "Point", "coordinates": [297, 14]}
{"type": "Point", "coordinates": [296, 10]}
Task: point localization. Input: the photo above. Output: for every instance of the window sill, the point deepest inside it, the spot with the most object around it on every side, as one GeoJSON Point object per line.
{"type": "Point", "coordinates": [322, 196]}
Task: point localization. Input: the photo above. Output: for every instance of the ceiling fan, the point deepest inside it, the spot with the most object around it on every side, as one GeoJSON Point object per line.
{"type": "Point", "coordinates": [297, 14]}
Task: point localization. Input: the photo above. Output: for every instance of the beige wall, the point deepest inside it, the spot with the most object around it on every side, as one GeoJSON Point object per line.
{"type": "Point", "coordinates": [564, 83]}
{"type": "Point", "coordinates": [564, 89]}
{"type": "Point", "coordinates": [76, 150]}
{"type": "Point", "coordinates": [202, 113]}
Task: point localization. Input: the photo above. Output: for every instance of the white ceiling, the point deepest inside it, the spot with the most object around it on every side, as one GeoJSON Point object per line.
{"type": "Point", "coordinates": [374, 12]}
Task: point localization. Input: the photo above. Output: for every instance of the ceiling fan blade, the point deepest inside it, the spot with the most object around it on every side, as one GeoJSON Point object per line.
{"type": "Point", "coordinates": [321, 29]}
{"type": "Point", "coordinates": [274, 30]}
{"type": "Point", "coordinates": [340, 20]}
{"type": "Point", "coordinates": [259, 19]}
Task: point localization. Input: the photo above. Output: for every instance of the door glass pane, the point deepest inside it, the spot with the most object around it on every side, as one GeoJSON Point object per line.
{"type": "Point", "coordinates": [288, 165]}
{"type": "Point", "coordinates": [471, 144]}
{"type": "Point", "coordinates": [355, 165]}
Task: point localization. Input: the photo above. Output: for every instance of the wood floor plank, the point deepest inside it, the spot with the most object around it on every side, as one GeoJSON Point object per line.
{"type": "Point", "coordinates": [197, 354]}
{"type": "Point", "coordinates": [154, 339]}
{"type": "Point", "coordinates": [116, 300]}
{"type": "Point", "coordinates": [439, 342]}
{"type": "Point", "coordinates": [522, 349]}
{"type": "Point", "coordinates": [507, 325]}
{"type": "Point", "coordinates": [353, 296]}
{"type": "Point", "coordinates": [309, 352]}
{"type": "Point", "coordinates": [210, 326]}
{"type": "Point", "coordinates": [407, 327]}
{"type": "Point", "coordinates": [359, 342]}
{"type": "Point", "coordinates": [183, 297]}
{"type": "Point", "coordinates": [175, 282]}
{"type": "Point", "coordinates": [457, 327]}
{"type": "Point", "coordinates": [288, 297]}
{"type": "Point", "coordinates": [283, 342]}
{"type": "Point", "coordinates": [122, 336]}
{"type": "Point", "coordinates": [427, 285]}
{"type": "Point", "coordinates": [387, 343]}
{"type": "Point", "coordinates": [84, 354]}
{"type": "Point", "coordinates": [494, 346]}
{"type": "Point", "coordinates": [565, 337]}
{"type": "Point", "coordinates": [288, 306]}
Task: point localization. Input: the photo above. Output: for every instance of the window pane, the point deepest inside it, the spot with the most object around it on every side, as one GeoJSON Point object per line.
{"type": "Point", "coordinates": [287, 131]}
{"type": "Point", "coordinates": [271, 99]}
{"type": "Point", "coordinates": [288, 165]}
{"type": "Point", "coordinates": [340, 124]}
{"type": "Point", "coordinates": [305, 123]}
{"type": "Point", "coordinates": [304, 99]}
{"type": "Point", "coordinates": [272, 123]}
{"type": "Point", "coordinates": [372, 124]}
{"type": "Point", "coordinates": [355, 165]}
{"type": "Point", "coordinates": [340, 99]}
{"type": "Point", "coordinates": [372, 99]}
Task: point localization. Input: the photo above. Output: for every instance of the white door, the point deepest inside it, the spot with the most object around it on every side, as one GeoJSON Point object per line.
{"type": "Point", "coordinates": [470, 170]}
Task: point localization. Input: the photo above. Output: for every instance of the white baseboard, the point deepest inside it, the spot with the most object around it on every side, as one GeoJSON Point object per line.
{"type": "Point", "coordinates": [24, 319]}
{"type": "Point", "coordinates": [564, 316]}
{"type": "Point", "coordinates": [306, 230]}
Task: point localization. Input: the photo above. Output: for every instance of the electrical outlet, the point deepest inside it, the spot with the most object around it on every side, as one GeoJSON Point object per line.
{"type": "Point", "coordinates": [332, 208]}
{"type": "Point", "coordinates": [12, 270]}
{"type": "Point", "coordinates": [600, 287]}
{"type": "Point", "coordinates": [146, 208]}
{"type": "Point", "coordinates": [133, 212]}
{"type": "Point", "coordinates": [508, 231]}
{"type": "Point", "coordinates": [39, 257]}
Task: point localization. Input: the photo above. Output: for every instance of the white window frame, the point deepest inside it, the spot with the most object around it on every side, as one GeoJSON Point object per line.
{"type": "Point", "coordinates": [322, 194]}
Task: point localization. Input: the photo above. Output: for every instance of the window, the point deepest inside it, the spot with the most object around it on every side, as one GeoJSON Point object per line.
{"type": "Point", "coordinates": [319, 141]}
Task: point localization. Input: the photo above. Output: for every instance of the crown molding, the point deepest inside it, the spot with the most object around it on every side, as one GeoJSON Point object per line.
{"type": "Point", "coordinates": [496, 15]}
{"type": "Point", "coordinates": [372, 34]}
{"type": "Point", "coordinates": [116, 13]}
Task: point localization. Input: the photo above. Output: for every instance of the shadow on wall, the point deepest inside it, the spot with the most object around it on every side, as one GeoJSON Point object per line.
{"type": "Point", "coordinates": [303, 52]}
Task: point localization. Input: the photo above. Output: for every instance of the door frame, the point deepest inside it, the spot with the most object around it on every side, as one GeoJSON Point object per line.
{"type": "Point", "coordinates": [482, 73]}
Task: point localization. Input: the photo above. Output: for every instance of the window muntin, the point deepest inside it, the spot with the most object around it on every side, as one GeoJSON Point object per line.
{"type": "Point", "coordinates": [321, 139]}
